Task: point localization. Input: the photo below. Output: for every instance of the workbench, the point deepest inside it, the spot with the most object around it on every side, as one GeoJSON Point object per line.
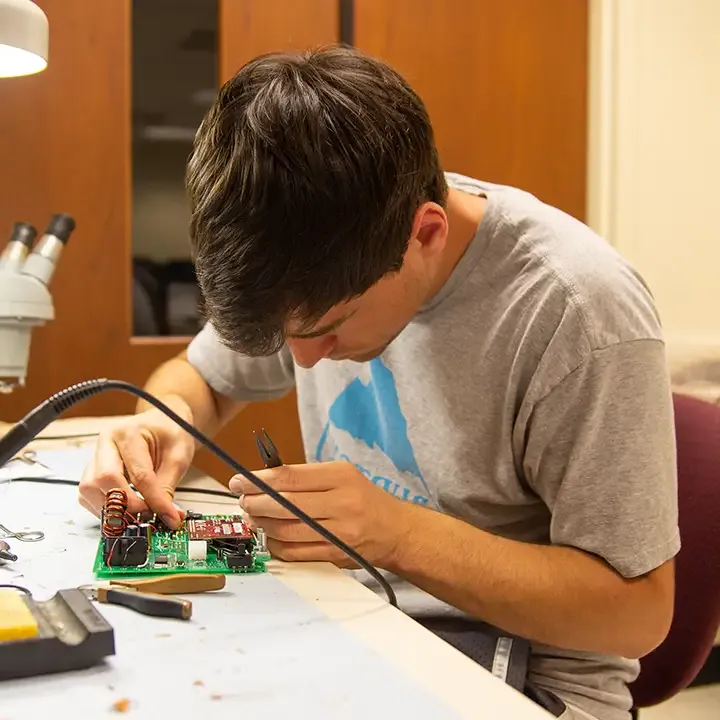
{"type": "Point", "coordinates": [303, 640]}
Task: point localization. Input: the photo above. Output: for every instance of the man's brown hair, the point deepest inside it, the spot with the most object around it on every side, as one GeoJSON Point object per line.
{"type": "Point", "coordinates": [304, 180]}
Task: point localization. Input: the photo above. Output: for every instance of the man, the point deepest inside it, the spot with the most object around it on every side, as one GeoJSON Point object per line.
{"type": "Point", "coordinates": [481, 380]}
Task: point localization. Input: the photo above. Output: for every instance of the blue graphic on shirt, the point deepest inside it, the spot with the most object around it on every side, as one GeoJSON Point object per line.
{"type": "Point", "coordinates": [370, 413]}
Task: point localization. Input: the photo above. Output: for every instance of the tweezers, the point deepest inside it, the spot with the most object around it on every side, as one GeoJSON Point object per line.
{"type": "Point", "coordinates": [268, 451]}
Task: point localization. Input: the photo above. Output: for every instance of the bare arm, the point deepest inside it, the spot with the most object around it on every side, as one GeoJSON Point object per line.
{"type": "Point", "coordinates": [555, 595]}
{"type": "Point", "coordinates": [149, 449]}
{"type": "Point", "coordinates": [180, 386]}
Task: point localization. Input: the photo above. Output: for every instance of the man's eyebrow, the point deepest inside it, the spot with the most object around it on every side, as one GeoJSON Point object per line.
{"type": "Point", "coordinates": [318, 332]}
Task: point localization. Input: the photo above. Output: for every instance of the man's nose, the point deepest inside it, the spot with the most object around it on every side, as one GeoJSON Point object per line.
{"type": "Point", "coordinates": [309, 351]}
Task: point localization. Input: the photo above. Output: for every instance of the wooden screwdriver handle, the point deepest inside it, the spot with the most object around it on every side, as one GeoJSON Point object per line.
{"type": "Point", "coordinates": [180, 584]}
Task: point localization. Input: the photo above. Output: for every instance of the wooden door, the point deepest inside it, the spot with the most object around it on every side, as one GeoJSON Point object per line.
{"type": "Point", "coordinates": [505, 84]}
{"type": "Point", "coordinates": [65, 146]}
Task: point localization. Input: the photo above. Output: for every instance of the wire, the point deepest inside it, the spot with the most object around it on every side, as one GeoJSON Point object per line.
{"type": "Point", "coordinates": [18, 587]}
{"type": "Point", "coordinates": [39, 418]}
{"type": "Point", "coordinates": [75, 483]}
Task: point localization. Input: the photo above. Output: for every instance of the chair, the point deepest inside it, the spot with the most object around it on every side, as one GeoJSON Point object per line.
{"type": "Point", "coordinates": [672, 666]}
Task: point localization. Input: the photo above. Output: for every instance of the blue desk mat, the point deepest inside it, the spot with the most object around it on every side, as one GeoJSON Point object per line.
{"type": "Point", "coordinates": [256, 647]}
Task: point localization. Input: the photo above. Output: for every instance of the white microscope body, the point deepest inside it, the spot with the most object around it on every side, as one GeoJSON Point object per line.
{"type": "Point", "coordinates": [25, 301]}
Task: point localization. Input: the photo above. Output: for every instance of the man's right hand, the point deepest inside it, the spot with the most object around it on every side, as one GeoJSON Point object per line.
{"type": "Point", "coordinates": [152, 452]}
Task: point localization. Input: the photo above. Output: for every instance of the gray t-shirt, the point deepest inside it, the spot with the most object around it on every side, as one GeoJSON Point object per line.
{"type": "Point", "coordinates": [530, 397]}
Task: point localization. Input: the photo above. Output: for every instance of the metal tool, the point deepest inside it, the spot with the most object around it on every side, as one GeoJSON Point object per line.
{"type": "Point", "coordinates": [185, 584]}
{"type": "Point", "coordinates": [22, 536]}
{"type": "Point", "coordinates": [153, 596]}
{"type": "Point", "coordinates": [5, 554]}
{"type": "Point", "coordinates": [268, 451]}
{"type": "Point", "coordinates": [143, 602]}
{"type": "Point", "coordinates": [27, 457]}
{"type": "Point", "coordinates": [271, 458]}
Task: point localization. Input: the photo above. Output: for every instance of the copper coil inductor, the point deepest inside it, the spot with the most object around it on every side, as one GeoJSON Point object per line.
{"type": "Point", "coordinates": [114, 519]}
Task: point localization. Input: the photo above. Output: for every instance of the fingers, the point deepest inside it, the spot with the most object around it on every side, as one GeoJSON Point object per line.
{"type": "Point", "coordinates": [139, 466]}
{"type": "Point", "coordinates": [104, 473]}
{"type": "Point", "coordinates": [125, 455]}
{"type": "Point", "coordinates": [318, 505]}
{"type": "Point", "coordinates": [172, 469]}
{"type": "Point", "coordinates": [289, 478]}
{"type": "Point", "coordinates": [291, 531]}
{"type": "Point", "coordinates": [310, 552]}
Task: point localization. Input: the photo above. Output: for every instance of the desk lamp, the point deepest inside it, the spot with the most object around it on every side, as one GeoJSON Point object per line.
{"type": "Point", "coordinates": [23, 38]}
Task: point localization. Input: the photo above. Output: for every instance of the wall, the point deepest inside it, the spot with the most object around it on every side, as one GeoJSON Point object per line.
{"type": "Point", "coordinates": [655, 153]}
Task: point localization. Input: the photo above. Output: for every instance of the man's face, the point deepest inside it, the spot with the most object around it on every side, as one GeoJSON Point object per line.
{"type": "Point", "coordinates": [362, 328]}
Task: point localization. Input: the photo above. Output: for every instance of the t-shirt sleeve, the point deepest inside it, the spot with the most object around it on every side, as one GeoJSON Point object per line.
{"type": "Point", "coordinates": [248, 379]}
{"type": "Point", "coordinates": [600, 452]}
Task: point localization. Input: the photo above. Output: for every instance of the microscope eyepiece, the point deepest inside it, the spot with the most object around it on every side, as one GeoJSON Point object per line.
{"type": "Point", "coordinates": [24, 233]}
{"type": "Point", "coordinates": [61, 226]}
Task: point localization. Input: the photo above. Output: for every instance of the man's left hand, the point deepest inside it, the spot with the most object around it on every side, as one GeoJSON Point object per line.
{"type": "Point", "coordinates": [340, 498]}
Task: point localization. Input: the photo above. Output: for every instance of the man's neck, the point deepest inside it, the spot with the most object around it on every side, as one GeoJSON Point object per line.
{"type": "Point", "coordinates": [464, 213]}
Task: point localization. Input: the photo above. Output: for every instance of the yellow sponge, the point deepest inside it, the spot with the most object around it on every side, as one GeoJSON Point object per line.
{"type": "Point", "coordinates": [16, 620]}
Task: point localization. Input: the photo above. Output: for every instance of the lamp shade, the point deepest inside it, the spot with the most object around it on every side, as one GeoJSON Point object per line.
{"type": "Point", "coordinates": [23, 38]}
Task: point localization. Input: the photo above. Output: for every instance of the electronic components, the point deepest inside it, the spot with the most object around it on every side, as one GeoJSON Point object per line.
{"type": "Point", "coordinates": [125, 551]}
{"type": "Point", "coordinates": [230, 537]}
{"type": "Point", "coordinates": [115, 515]}
{"type": "Point", "coordinates": [197, 550]}
{"type": "Point", "coordinates": [238, 560]}
{"type": "Point", "coordinates": [209, 528]}
{"type": "Point", "coordinates": [125, 542]}
{"type": "Point", "coordinates": [143, 545]}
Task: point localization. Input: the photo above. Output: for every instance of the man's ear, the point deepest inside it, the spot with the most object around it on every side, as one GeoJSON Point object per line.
{"type": "Point", "coordinates": [430, 228]}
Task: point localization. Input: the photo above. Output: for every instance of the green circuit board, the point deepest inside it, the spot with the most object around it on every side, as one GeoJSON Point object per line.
{"type": "Point", "coordinates": [202, 544]}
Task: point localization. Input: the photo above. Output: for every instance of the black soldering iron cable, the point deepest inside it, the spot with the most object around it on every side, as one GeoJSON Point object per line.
{"type": "Point", "coordinates": [65, 481]}
{"type": "Point", "coordinates": [39, 418]}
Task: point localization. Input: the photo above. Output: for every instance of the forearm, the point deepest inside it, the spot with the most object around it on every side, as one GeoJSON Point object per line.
{"type": "Point", "coordinates": [180, 386]}
{"type": "Point", "coordinates": [550, 594]}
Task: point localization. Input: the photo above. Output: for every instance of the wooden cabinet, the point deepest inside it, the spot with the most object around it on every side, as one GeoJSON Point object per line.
{"type": "Point", "coordinates": [505, 84]}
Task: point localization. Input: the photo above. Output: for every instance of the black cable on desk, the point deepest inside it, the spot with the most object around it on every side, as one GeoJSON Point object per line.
{"type": "Point", "coordinates": [38, 419]}
{"type": "Point", "coordinates": [64, 481]}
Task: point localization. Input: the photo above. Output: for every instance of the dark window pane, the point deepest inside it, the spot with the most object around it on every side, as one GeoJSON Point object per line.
{"type": "Point", "coordinates": [175, 78]}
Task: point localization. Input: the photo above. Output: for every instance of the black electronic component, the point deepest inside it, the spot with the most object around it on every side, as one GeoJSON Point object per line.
{"type": "Point", "coordinates": [72, 635]}
{"type": "Point", "coordinates": [161, 559]}
{"type": "Point", "coordinates": [125, 551]}
{"type": "Point", "coordinates": [231, 545]}
{"type": "Point", "coordinates": [192, 515]}
{"type": "Point", "coordinates": [238, 560]}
